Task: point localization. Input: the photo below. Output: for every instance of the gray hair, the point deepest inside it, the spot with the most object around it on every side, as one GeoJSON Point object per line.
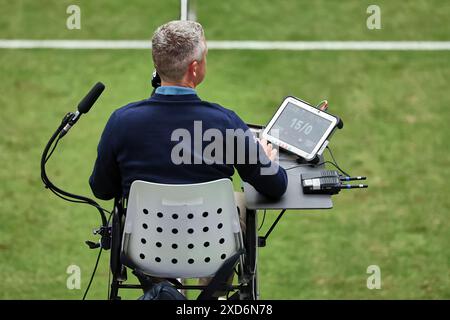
{"type": "Point", "coordinates": [174, 46]}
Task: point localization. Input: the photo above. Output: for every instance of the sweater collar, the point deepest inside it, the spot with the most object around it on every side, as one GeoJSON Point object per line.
{"type": "Point", "coordinates": [174, 90]}
{"type": "Point", "coordinates": [182, 98]}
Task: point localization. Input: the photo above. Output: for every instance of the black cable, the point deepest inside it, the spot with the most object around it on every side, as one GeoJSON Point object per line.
{"type": "Point", "coordinates": [77, 201]}
{"type": "Point", "coordinates": [264, 218]}
{"type": "Point", "coordinates": [337, 167]}
{"type": "Point", "coordinates": [57, 192]}
{"type": "Point", "coordinates": [304, 165]}
{"type": "Point", "coordinates": [319, 164]}
{"type": "Point", "coordinates": [48, 184]}
{"type": "Point", "coordinates": [51, 152]}
{"type": "Point", "coordinates": [93, 273]}
{"type": "Point", "coordinates": [66, 199]}
{"type": "Point", "coordinates": [335, 162]}
{"type": "Point", "coordinates": [95, 269]}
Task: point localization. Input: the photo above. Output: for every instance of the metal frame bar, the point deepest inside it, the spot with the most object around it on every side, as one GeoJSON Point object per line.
{"type": "Point", "coordinates": [186, 287]}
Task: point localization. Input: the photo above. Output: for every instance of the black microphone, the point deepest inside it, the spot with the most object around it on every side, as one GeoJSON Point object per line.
{"type": "Point", "coordinates": [84, 106]}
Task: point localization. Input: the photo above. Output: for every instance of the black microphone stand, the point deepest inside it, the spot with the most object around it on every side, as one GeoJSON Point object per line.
{"type": "Point", "coordinates": [47, 182]}
{"type": "Point", "coordinates": [103, 231]}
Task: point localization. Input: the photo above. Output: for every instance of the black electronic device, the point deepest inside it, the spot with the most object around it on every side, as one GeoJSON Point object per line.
{"type": "Point", "coordinates": [156, 81]}
{"type": "Point", "coordinates": [300, 128]}
{"type": "Point", "coordinates": [328, 182]}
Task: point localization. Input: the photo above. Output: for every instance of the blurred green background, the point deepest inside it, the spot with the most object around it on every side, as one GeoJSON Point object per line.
{"type": "Point", "coordinates": [394, 105]}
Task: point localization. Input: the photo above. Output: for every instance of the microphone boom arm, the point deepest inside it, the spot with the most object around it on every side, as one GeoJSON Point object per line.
{"type": "Point", "coordinates": [58, 191]}
{"type": "Point", "coordinates": [68, 121]}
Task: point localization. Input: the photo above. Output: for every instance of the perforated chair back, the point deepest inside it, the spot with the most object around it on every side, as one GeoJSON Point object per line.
{"type": "Point", "coordinates": [180, 231]}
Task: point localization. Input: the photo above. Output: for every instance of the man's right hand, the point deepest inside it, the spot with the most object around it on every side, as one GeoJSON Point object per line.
{"type": "Point", "coordinates": [268, 149]}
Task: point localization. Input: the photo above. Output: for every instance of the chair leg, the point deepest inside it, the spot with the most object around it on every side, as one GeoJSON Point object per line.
{"type": "Point", "coordinates": [250, 291]}
{"type": "Point", "coordinates": [119, 272]}
{"type": "Point", "coordinates": [114, 294]}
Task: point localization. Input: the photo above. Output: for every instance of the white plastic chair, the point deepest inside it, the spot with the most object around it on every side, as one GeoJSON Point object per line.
{"type": "Point", "coordinates": [181, 231]}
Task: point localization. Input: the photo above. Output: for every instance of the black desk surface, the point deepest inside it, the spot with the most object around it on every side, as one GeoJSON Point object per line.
{"type": "Point", "coordinates": [294, 198]}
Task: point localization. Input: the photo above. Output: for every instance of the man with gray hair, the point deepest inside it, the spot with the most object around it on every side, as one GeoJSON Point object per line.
{"type": "Point", "coordinates": [177, 46]}
{"type": "Point", "coordinates": [138, 140]}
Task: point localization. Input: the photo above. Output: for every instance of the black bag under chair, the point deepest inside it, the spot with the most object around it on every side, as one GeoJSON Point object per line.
{"type": "Point", "coordinates": [162, 291]}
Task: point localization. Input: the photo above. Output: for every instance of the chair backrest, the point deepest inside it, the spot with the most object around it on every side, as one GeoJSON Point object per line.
{"type": "Point", "coordinates": [180, 231]}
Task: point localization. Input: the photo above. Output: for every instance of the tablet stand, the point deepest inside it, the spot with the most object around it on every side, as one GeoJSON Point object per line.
{"type": "Point", "coordinates": [312, 162]}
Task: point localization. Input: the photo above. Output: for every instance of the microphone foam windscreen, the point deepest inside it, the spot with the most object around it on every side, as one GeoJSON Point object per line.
{"type": "Point", "coordinates": [85, 105]}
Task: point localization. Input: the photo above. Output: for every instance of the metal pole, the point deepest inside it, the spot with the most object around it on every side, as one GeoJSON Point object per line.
{"type": "Point", "coordinates": [188, 10]}
{"type": "Point", "coordinates": [184, 9]}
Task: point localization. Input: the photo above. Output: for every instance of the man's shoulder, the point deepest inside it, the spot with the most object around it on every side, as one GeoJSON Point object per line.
{"type": "Point", "coordinates": [146, 102]}
{"type": "Point", "coordinates": [130, 106]}
{"type": "Point", "coordinates": [132, 110]}
{"type": "Point", "coordinates": [221, 109]}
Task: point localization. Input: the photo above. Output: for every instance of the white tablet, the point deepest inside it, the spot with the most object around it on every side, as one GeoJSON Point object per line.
{"type": "Point", "coordinates": [299, 128]}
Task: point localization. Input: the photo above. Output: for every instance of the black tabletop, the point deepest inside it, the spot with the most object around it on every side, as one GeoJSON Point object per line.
{"type": "Point", "coordinates": [294, 198]}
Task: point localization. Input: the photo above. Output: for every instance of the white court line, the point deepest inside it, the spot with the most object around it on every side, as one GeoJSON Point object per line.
{"type": "Point", "coordinates": [233, 45]}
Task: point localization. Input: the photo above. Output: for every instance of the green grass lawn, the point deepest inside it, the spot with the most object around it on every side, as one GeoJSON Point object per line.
{"type": "Point", "coordinates": [394, 106]}
{"type": "Point", "coordinates": [229, 20]}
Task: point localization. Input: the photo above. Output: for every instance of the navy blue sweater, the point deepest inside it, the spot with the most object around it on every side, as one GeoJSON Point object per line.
{"type": "Point", "coordinates": [136, 144]}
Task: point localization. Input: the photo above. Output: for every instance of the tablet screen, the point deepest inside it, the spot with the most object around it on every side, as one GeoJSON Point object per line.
{"type": "Point", "coordinates": [299, 128]}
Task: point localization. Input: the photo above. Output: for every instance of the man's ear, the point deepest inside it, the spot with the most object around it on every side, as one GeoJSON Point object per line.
{"type": "Point", "coordinates": [193, 67]}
